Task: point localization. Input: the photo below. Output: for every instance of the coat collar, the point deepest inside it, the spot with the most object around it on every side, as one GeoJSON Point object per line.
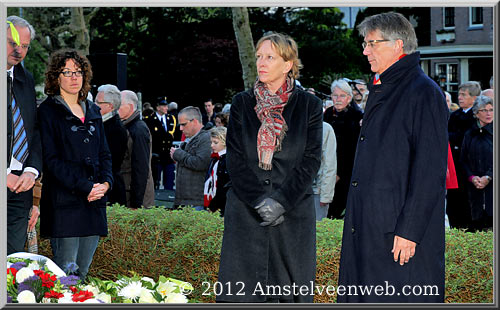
{"type": "Point", "coordinates": [398, 70]}
{"type": "Point", "coordinates": [91, 109]}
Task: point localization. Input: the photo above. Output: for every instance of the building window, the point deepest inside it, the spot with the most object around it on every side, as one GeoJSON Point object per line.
{"type": "Point", "coordinates": [475, 17]}
{"type": "Point", "coordinates": [449, 18]}
{"type": "Point", "coordinates": [448, 77]}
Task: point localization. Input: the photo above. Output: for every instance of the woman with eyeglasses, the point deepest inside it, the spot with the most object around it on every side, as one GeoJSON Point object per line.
{"type": "Point", "coordinates": [76, 164]}
{"type": "Point", "coordinates": [344, 116]}
{"type": "Point", "coordinates": [477, 159]}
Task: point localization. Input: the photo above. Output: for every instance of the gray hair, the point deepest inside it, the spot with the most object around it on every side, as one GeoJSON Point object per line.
{"type": "Point", "coordinates": [21, 22]}
{"type": "Point", "coordinates": [342, 85]}
{"type": "Point", "coordinates": [447, 94]}
{"type": "Point", "coordinates": [111, 93]}
{"type": "Point", "coordinates": [191, 113]}
{"type": "Point", "coordinates": [131, 97]}
{"type": "Point", "coordinates": [473, 87]}
{"type": "Point", "coordinates": [480, 102]}
{"type": "Point", "coordinates": [392, 26]}
{"type": "Point", "coordinates": [226, 108]}
{"type": "Point", "coordinates": [172, 106]}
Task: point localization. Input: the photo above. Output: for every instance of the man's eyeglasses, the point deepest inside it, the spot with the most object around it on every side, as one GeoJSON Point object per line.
{"type": "Point", "coordinates": [486, 110]}
{"type": "Point", "coordinates": [14, 45]}
{"type": "Point", "coordinates": [72, 73]}
{"type": "Point", "coordinates": [339, 96]}
{"type": "Point", "coordinates": [184, 124]}
{"type": "Point", "coordinates": [372, 43]}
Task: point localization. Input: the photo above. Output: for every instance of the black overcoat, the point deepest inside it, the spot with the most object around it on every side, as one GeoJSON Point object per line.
{"type": "Point", "coordinates": [398, 188]}
{"type": "Point", "coordinates": [75, 156]}
{"type": "Point", "coordinates": [252, 256]}
{"type": "Point", "coordinates": [477, 160]}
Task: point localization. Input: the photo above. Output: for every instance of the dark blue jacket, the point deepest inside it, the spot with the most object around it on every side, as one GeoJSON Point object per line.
{"type": "Point", "coordinates": [75, 156]}
{"type": "Point", "coordinates": [398, 187]}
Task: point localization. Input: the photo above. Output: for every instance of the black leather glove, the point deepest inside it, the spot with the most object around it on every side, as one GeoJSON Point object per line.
{"type": "Point", "coordinates": [271, 212]}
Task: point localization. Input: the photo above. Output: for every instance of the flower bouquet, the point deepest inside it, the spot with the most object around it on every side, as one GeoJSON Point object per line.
{"type": "Point", "coordinates": [36, 279]}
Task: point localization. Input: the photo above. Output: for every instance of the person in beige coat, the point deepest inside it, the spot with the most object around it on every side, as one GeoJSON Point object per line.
{"type": "Point", "coordinates": [324, 183]}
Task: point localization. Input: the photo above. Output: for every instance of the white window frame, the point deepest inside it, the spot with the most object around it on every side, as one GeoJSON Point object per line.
{"type": "Point", "coordinates": [444, 19]}
{"type": "Point", "coordinates": [471, 25]}
{"type": "Point", "coordinates": [448, 73]}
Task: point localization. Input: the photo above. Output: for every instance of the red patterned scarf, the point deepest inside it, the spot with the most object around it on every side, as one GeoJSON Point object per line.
{"type": "Point", "coordinates": [269, 109]}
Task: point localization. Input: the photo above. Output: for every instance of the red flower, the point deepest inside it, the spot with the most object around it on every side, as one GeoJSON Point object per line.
{"type": "Point", "coordinates": [47, 279]}
{"type": "Point", "coordinates": [81, 296]}
{"type": "Point", "coordinates": [73, 289]}
{"type": "Point", "coordinates": [12, 271]}
{"type": "Point", "coordinates": [53, 294]}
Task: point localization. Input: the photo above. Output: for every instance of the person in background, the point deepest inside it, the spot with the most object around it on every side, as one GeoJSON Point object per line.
{"type": "Point", "coordinates": [32, 242]}
{"type": "Point", "coordinates": [24, 149]}
{"type": "Point", "coordinates": [394, 223]}
{"type": "Point", "coordinates": [459, 122]}
{"type": "Point", "coordinates": [221, 119]}
{"type": "Point", "coordinates": [147, 110]}
{"type": "Point", "coordinates": [162, 126]}
{"type": "Point", "coordinates": [109, 100]}
{"type": "Point", "coordinates": [192, 158]}
{"type": "Point", "coordinates": [358, 90]}
{"type": "Point", "coordinates": [324, 183]}
{"type": "Point", "coordinates": [477, 160]}
{"type": "Point", "coordinates": [273, 142]}
{"type": "Point", "coordinates": [488, 92]}
{"type": "Point", "coordinates": [345, 121]}
{"type": "Point", "coordinates": [136, 166]}
{"type": "Point", "coordinates": [77, 163]}
{"type": "Point", "coordinates": [217, 176]}
{"type": "Point", "coordinates": [209, 115]}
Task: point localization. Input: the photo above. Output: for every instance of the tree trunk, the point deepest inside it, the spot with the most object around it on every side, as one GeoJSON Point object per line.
{"type": "Point", "coordinates": [79, 29]}
{"type": "Point", "coordinates": [246, 48]}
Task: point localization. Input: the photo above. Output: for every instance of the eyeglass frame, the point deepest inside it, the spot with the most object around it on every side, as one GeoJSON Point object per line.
{"type": "Point", "coordinates": [371, 43]}
{"type": "Point", "coordinates": [343, 96]}
{"type": "Point", "coordinates": [14, 45]}
{"type": "Point", "coordinates": [184, 124]}
{"type": "Point", "coordinates": [72, 73]}
{"type": "Point", "coordinates": [485, 110]}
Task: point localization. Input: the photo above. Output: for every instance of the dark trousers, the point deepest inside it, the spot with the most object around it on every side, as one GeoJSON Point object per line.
{"type": "Point", "coordinates": [18, 210]}
{"type": "Point", "coordinates": [339, 202]}
{"type": "Point", "coordinates": [458, 208]}
{"type": "Point", "coordinates": [168, 174]}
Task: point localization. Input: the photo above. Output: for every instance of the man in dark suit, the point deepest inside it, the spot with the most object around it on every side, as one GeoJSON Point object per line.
{"type": "Point", "coordinates": [460, 121]}
{"type": "Point", "coordinates": [24, 160]}
{"type": "Point", "coordinates": [162, 126]}
{"type": "Point", "coordinates": [109, 100]}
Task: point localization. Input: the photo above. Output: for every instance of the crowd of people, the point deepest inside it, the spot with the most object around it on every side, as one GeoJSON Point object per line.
{"type": "Point", "coordinates": [375, 156]}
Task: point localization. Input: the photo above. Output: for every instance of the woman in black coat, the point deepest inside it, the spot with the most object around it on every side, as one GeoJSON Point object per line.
{"type": "Point", "coordinates": [345, 117]}
{"type": "Point", "coordinates": [76, 164]}
{"type": "Point", "coordinates": [477, 161]}
{"type": "Point", "coordinates": [274, 141]}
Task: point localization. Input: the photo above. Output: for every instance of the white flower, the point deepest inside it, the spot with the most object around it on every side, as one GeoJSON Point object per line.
{"type": "Point", "coordinates": [23, 274]}
{"type": "Point", "coordinates": [165, 288]}
{"type": "Point", "coordinates": [34, 265]}
{"type": "Point", "coordinates": [91, 301]}
{"type": "Point", "coordinates": [66, 299]}
{"type": "Point", "coordinates": [91, 288]}
{"type": "Point", "coordinates": [131, 291]}
{"type": "Point", "coordinates": [26, 297]}
{"type": "Point", "coordinates": [176, 298]}
{"type": "Point", "coordinates": [148, 279]}
{"type": "Point", "coordinates": [146, 297]}
{"type": "Point", "coordinates": [104, 297]}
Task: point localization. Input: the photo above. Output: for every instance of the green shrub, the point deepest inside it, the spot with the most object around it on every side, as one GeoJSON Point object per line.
{"type": "Point", "coordinates": [185, 244]}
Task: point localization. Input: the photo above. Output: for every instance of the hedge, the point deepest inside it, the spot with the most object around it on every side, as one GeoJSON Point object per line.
{"type": "Point", "coordinates": [185, 244]}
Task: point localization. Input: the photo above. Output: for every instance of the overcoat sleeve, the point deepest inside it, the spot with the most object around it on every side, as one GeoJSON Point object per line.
{"type": "Point", "coordinates": [63, 172]}
{"type": "Point", "coordinates": [428, 162]}
{"type": "Point", "coordinates": [464, 154]}
{"type": "Point", "coordinates": [298, 182]}
{"type": "Point", "coordinates": [198, 159]}
{"type": "Point", "coordinates": [244, 181]}
{"type": "Point", "coordinates": [105, 161]}
{"type": "Point", "coordinates": [328, 168]}
{"type": "Point", "coordinates": [140, 160]}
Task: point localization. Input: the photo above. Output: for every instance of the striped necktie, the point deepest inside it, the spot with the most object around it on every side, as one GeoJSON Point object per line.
{"type": "Point", "coordinates": [20, 143]}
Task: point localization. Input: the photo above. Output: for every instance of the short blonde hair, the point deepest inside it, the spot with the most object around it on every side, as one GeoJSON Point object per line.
{"type": "Point", "coordinates": [286, 48]}
{"type": "Point", "coordinates": [219, 133]}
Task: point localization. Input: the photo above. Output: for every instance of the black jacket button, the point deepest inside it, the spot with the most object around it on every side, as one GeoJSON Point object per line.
{"type": "Point", "coordinates": [362, 138]}
{"type": "Point", "coordinates": [354, 183]}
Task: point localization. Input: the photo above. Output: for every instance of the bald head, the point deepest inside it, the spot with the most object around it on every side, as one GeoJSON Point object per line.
{"type": "Point", "coordinates": [488, 92]}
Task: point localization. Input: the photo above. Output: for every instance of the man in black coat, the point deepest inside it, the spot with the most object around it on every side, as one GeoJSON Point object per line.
{"type": "Point", "coordinates": [109, 99]}
{"type": "Point", "coordinates": [394, 239]}
{"type": "Point", "coordinates": [24, 149]}
{"type": "Point", "coordinates": [162, 126]}
{"type": "Point", "coordinates": [461, 120]}
{"type": "Point", "coordinates": [136, 167]}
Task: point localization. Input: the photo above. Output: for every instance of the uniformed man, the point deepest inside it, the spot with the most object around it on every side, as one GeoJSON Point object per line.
{"type": "Point", "coordinates": [162, 127]}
